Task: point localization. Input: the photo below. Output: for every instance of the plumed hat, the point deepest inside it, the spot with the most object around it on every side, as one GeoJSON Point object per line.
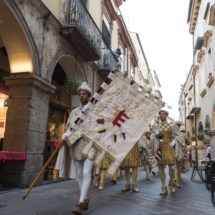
{"type": "Point", "coordinates": [162, 110]}
{"type": "Point", "coordinates": [179, 123]}
{"type": "Point", "coordinates": [147, 132]}
{"type": "Point", "coordinates": [85, 87]}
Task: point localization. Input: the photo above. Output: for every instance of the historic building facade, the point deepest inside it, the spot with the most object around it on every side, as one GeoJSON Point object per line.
{"type": "Point", "coordinates": [43, 43]}
{"type": "Point", "coordinates": [197, 100]}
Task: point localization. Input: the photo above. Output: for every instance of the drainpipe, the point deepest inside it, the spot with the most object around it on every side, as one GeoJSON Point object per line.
{"type": "Point", "coordinates": [194, 92]}
{"type": "Point", "coordinates": [185, 110]}
{"type": "Point", "coordinates": [127, 60]}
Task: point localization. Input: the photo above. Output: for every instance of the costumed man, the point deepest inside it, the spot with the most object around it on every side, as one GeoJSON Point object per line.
{"type": "Point", "coordinates": [105, 163]}
{"type": "Point", "coordinates": [184, 162]}
{"type": "Point", "coordinates": [103, 168]}
{"type": "Point", "coordinates": [65, 166]}
{"type": "Point", "coordinates": [83, 165]}
{"type": "Point", "coordinates": [151, 153]}
{"type": "Point", "coordinates": [132, 160]}
{"type": "Point", "coordinates": [168, 149]}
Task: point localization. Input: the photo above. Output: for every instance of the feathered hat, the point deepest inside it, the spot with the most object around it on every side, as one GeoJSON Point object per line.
{"type": "Point", "coordinates": [179, 123]}
{"type": "Point", "coordinates": [162, 110]}
{"type": "Point", "coordinates": [147, 132]}
{"type": "Point", "coordinates": [85, 87]}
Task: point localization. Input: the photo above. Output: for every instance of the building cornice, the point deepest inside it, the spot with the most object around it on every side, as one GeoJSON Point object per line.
{"type": "Point", "coordinates": [207, 36]}
{"type": "Point", "coordinates": [195, 69]}
{"type": "Point", "coordinates": [110, 9]}
{"type": "Point", "coordinates": [118, 3]}
{"type": "Point", "coordinates": [212, 16]}
{"type": "Point", "coordinates": [200, 55]}
{"type": "Point", "coordinates": [204, 91]}
{"type": "Point", "coordinates": [194, 11]}
{"type": "Point", "coordinates": [126, 40]}
{"type": "Point", "coordinates": [210, 82]}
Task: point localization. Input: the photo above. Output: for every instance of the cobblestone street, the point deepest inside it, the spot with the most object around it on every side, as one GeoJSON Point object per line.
{"type": "Point", "coordinates": [60, 198]}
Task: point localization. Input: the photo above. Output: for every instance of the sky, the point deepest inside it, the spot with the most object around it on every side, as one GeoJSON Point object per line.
{"type": "Point", "coordinates": [164, 34]}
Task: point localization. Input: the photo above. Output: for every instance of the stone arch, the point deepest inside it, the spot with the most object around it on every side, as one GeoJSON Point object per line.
{"type": "Point", "coordinates": [68, 61]}
{"type": "Point", "coordinates": [207, 122]}
{"type": "Point", "coordinates": [200, 127]}
{"type": "Point", "coordinates": [17, 39]}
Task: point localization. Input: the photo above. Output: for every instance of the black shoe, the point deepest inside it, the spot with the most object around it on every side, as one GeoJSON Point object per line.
{"type": "Point", "coordinates": [153, 173]}
{"type": "Point", "coordinates": [113, 181]}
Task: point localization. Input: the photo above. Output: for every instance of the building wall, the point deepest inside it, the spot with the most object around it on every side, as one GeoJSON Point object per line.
{"type": "Point", "coordinates": [38, 35]}
{"type": "Point", "coordinates": [203, 79]}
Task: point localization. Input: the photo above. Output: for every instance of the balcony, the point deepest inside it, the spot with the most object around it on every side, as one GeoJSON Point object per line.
{"type": "Point", "coordinates": [194, 108]}
{"type": "Point", "coordinates": [80, 30]}
{"type": "Point", "coordinates": [107, 62]}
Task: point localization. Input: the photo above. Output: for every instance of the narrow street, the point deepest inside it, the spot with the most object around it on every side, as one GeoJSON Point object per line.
{"type": "Point", "coordinates": [60, 198]}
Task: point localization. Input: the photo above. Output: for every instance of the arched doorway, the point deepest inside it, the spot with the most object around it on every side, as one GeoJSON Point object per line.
{"type": "Point", "coordinates": [213, 118]}
{"type": "Point", "coordinates": [16, 56]}
{"type": "Point", "coordinates": [28, 95]}
{"type": "Point", "coordinates": [207, 122]}
{"type": "Point", "coordinates": [200, 127]}
{"type": "Point", "coordinates": [22, 54]}
{"type": "Point", "coordinates": [4, 90]}
{"type": "Point", "coordinates": [60, 104]}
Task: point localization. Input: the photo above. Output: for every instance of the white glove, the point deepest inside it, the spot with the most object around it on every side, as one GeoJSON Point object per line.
{"type": "Point", "coordinates": [172, 144]}
{"type": "Point", "coordinates": [157, 132]}
{"type": "Point", "coordinates": [85, 109]}
{"type": "Point", "coordinates": [64, 136]}
{"type": "Point", "coordinates": [140, 149]}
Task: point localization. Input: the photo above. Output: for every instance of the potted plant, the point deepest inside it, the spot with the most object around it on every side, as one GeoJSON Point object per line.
{"type": "Point", "coordinates": [206, 130]}
{"type": "Point", "coordinates": [200, 136]}
{"type": "Point", "coordinates": [72, 84]}
{"type": "Point", "coordinates": [193, 138]}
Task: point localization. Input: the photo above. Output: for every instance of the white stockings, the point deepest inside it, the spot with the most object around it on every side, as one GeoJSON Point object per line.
{"type": "Point", "coordinates": [84, 169]}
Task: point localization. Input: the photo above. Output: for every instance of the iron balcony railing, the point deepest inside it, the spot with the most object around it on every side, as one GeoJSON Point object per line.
{"type": "Point", "coordinates": [73, 12]}
{"type": "Point", "coordinates": [108, 61]}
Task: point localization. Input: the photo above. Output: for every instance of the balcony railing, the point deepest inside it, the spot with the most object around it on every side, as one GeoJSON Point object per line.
{"type": "Point", "coordinates": [108, 61]}
{"type": "Point", "coordinates": [194, 107]}
{"type": "Point", "coordinates": [80, 29]}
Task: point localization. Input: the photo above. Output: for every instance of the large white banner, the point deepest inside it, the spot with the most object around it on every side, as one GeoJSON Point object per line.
{"type": "Point", "coordinates": [120, 112]}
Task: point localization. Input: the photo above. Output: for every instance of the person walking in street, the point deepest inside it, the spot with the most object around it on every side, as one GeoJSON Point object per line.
{"type": "Point", "coordinates": [166, 148]}
{"type": "Point", "coordinates": [132, 160]}
{"type": "Point", "coordinates": [179, 163]}
{"type": "Point", "coordinates": [83, 165]}
{"type": "Point", "coordinates": [151, 154]}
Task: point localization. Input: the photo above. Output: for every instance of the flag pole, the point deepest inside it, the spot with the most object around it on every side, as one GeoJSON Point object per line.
{"type": "Point", "coordinates": [42, 170]}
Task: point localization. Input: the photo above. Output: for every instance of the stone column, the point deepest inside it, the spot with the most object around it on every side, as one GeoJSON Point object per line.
{"type": "Point", "coordinates": [212, 143]}
{"type": "Point", "coordinates": [26, 125]}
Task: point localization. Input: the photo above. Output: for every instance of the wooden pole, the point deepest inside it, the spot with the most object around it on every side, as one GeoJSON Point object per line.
{"type": "Point", "coordinates": [42, 170]}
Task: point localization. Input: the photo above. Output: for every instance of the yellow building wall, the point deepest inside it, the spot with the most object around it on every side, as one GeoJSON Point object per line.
{"type": "Point", "coordinates": [114, 36]}
{"type": "Point", "coordinates": [94, 8]}
{"type": "Point", "coordinates": [53, 6]}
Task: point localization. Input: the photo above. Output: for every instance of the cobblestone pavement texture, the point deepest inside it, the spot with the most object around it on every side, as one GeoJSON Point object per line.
{"type": "Point", "coordinates": [60, 198]}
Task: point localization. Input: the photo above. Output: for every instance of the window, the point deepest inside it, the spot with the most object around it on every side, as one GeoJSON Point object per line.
{"type": "Point", "coordinates": [197, 90]}
{"type": "Point", "coordinates": [202, 76]}
{"type": "Point", "coordinates": [106, 30]}
{"type": "Point", "coordinates": [122, 58]}
{"type": "Point", "coordinates": [210, 65]}
{"type": "Point", "coordinates": [132, 72]}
